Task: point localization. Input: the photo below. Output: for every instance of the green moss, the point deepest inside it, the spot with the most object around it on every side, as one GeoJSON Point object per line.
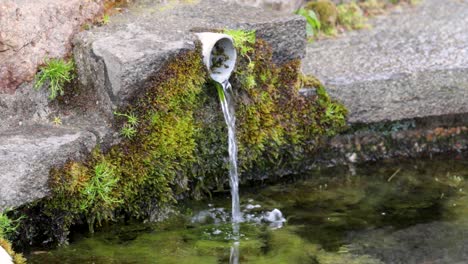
{"type": "Point", "coordinates": [7, 229]}
{"type": "Point", "coordinates": [179, 144]}
{"type": "Point", "coordinates": [243, 40]}
{"type": "Point", "coordinates": [351, 16]}
{"type": "Point", "coordinates": [327, 13]}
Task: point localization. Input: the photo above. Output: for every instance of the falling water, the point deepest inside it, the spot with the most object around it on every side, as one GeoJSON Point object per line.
{"type": "Point", "coordinates": [227, 106]}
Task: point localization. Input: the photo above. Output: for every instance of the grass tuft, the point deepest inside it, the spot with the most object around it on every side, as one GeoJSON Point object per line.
{"type": "Point", "coordinates": [55, 73]}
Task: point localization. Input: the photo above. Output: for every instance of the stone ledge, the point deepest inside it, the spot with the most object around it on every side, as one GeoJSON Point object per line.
{"type": "Point", "coordinates": [410, 64]}
{"type": "Point", "coordinates": [28, 153]}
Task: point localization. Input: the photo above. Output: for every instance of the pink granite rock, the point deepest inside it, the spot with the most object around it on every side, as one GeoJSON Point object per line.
{"type": "Point", "coordinates": [31, 31]}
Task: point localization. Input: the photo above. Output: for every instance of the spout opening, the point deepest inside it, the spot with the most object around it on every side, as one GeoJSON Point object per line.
{"type": "Point", "coordinates": [219, 55]}
{"type": "Point", "coordinates": [222, 60]}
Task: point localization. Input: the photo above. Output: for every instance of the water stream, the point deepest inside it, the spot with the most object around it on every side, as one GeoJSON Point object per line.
{"type": "Point", "coordinates": [227, 105]}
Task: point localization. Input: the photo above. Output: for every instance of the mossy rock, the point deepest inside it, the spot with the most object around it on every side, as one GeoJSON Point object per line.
{"type": "Point", "coordinates": [327, 13]}
{"type": "Point", "coordinates": [179, 147]}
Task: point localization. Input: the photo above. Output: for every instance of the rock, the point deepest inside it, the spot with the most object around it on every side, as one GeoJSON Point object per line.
{"type": "Point", "coordinates": [120, 57]}
{"type": "Point", "coordinates": [412, 64]}
{"type": "Point", "coordinates": [279, 5]}
{"type": "Point", "coordinates": [31, 31]}
{"type": "Point", "coordinates": [25, 105]}
{"type": "Point", "coordinates": [28, 153]}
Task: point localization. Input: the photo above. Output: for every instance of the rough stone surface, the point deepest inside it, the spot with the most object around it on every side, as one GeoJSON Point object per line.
{"type": "Point", "coordinates": [28, 153]}
{"type": "Point", "coordinates": [25, 105]}
{"type": "Point", "coordinates": [31, 31]}
{"type": "Point", "coordinates": [279, 5]}
{"type": "Point", "coordinates": [119, 58]}
{"type": "Point", "coordinates": [411, 64]}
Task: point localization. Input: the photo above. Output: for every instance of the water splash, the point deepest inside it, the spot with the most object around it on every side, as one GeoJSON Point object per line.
{"type": "Point", "coordinates": [227, 105]}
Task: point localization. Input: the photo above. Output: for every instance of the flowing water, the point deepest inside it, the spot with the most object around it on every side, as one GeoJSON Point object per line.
{"type": "Point", "coordinates": [413, 211]}
{"type": "Point", "coordinates": [227, 105]}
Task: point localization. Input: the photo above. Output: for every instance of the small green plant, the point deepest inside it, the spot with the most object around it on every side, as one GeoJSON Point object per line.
{"type": "Point", "coordinates": [313, 23]}
{"type": "Point", "coordinates": [105, 19]}
{"type": "Point", "coordinates": [243, 40]}
{"type": "Point", "coordinates": [8, 226]}
{"type": "Point", "coordinates": [129, 129]}
{"type": "Point", "coordinates": [56, 73]}
{"type": "Point", "coordinates": [99, 193]}
{"type": "Point", "coordinates": [57, 121]}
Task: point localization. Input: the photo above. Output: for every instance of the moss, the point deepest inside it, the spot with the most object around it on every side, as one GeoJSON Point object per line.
{"type": "Point", "coordinates": [179, 145]}
{"type": "Point", "coordinates": [372, 7]}
{"type": "Point", "coordinates": [327, 13]}
{"type": "Point", "coordinates": [351, 16]}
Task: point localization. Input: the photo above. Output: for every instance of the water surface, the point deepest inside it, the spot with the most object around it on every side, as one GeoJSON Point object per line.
{"type": "Point", "coordinates": [390, 212]}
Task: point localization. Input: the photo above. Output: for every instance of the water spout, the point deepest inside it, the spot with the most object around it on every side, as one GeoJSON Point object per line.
{"type": "Point", "coordinates": [219, 56]}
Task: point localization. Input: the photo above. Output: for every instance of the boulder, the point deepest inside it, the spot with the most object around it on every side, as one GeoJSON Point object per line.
{"type": "Point", "coordinates": [31, 31]}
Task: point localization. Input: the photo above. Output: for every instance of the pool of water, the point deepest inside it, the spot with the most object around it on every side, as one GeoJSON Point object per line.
{"type": "Point", "coordinates": [389, 212]}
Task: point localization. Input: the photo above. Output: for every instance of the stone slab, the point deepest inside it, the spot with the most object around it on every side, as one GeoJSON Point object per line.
{"type": "Point", "coordinates": [412, 63]}
{"type": "Point", "coordinates": [28, 153]}
{"type": "Point", "coordinates": [119, 57]}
